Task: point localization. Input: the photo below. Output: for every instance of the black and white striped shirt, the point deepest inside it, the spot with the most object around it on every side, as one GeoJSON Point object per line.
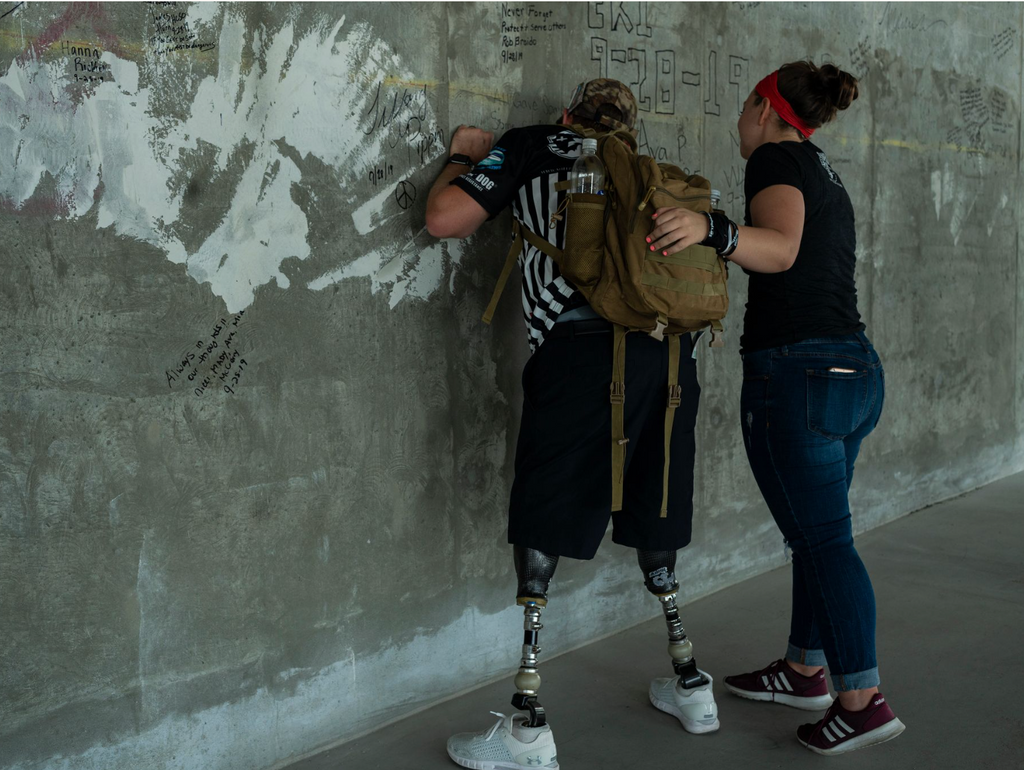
{"type": "Point", "coordinates": [522, 171]}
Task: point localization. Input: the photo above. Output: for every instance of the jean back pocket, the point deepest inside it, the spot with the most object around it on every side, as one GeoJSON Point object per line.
{"type": "Point", "coordinates": [836, 400]}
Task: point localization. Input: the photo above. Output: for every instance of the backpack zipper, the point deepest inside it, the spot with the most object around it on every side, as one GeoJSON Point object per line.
{"type": "Point", "coordinates": [643, 203]}
{"type": "Point", "coordinates": [650, 193]}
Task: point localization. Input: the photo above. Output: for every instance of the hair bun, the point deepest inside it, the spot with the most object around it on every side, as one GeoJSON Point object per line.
{"type": "Point", "coordinates": [840, 87]}
{"type": "Point", "coordinates": [815, 93]}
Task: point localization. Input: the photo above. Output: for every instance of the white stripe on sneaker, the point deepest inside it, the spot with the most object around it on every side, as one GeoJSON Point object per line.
{"type": "Point", "coordinates": [764, 679]}
{"type": "Point", "coordinates": [842, 724]}
{"type": "Point", "coordinates": [837, 731]}
{"type": "Point", "coordinates": [828, 735]}
{"type": "Point", "coordinates": [785, 681]}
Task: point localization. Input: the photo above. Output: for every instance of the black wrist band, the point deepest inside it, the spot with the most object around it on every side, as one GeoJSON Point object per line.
{"type": "Point", "coordinates": [719, 232]}
{"type": "Point", "coordinates": [711, 227]}
{"type": "Point", "coordinates": [461, 160]}
{"type": "Point", "coordinates": [734, 240]}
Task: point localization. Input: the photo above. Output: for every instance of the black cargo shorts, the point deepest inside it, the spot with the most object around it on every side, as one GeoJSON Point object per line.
{"type": "Point", "coordinates": [561, 496]}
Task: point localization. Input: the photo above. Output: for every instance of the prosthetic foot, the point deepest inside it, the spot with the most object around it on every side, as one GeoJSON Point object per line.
{"type": "Point", "coordinates": [687, 695]}
{"type": "Point", "coordinates": [534, 569]}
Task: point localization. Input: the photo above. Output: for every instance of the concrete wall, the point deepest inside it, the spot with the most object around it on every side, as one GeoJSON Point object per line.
{"type": "Point", "coordinates": [193, 577]}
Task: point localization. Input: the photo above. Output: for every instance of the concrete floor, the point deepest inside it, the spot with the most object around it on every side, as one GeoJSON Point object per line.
{"type": "Point", "coordinates": [949, 582]}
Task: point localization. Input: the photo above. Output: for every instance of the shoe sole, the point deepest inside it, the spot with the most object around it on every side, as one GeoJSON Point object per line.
{"type": "Point", "coordinates": [690, 725]}
{"type": "Point", "coordinates": [488, 764]}
{"type": "Point", "coordinates": [804, 703]}
{"type": "Point", "coordinates": [886, 732]}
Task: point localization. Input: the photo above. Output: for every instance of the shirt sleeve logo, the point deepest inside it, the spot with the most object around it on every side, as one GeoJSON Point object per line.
{"type": "Point", "coordinates": [832, 175]}
{"type": "Point", "coordinates": [565, 144]}
{"type": "Point", "coordinates": [481, 182]}
{"type": "Point", "coordinates": [494, 161]}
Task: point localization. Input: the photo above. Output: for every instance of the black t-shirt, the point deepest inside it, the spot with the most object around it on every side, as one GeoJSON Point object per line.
{"type": "Point", "coordinates": [817, 296]}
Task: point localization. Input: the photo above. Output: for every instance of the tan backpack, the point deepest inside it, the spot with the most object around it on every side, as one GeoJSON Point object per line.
{"type": "Point", "coordinates": [608, 259]}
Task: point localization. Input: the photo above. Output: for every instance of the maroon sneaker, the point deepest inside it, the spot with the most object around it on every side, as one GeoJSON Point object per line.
{"type": "Point", "coordinates": [779, 683]}
{"type": "Point", "coordinates": [841, 730]}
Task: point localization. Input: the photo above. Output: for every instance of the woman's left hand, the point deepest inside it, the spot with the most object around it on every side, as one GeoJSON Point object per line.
{"type": "Point", "coordinates": [676, 229]}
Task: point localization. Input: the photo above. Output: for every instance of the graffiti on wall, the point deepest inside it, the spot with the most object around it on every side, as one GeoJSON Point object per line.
{"type": "Point", "coordinates": [90, 121]}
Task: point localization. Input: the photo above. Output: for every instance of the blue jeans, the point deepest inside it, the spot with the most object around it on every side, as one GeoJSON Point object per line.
{"type": "Point", "coordinates": [803, 422]}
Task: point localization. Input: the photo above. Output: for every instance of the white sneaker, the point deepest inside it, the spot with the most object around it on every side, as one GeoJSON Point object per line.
{"type": "Point", "coordinates": [695, 709]}
{"type": "Point", "coordinates": [508, 744]}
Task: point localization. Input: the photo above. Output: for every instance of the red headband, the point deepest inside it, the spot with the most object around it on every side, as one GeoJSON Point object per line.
{"type": "Point", "coordinates": [769, 89]}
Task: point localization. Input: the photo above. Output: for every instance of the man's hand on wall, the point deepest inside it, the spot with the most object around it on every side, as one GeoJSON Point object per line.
{"type": "Point", "coordinates": [472, 141]}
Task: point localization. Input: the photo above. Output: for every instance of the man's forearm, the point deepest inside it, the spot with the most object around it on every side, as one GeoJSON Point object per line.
{"type": "Point", "coordinates": [448, 173]}
{"type": "Point", "coordinates": [452, 212]}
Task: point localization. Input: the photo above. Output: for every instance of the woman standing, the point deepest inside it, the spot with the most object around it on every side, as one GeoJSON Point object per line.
{"type": "Point", "coordinates": [813, 388]}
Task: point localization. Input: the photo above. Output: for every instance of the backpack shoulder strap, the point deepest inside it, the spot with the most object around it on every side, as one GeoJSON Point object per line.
{"type": "Point", "coordinates": [541, 245]}
{"type": "Point", "coordinates": [675, 393]}
{"type": "Point", "coordinates": [617, 396]}
{"type": "Point", "coordinates": [506, 271]}
{"type": "Point", "coordinates": [519, 233]}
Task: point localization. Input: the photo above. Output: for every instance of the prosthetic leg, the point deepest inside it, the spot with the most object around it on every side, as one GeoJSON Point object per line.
{"type": "Point", "coordinates": [534, 570]}
{"type": "Point", "coordinates": [528, 740]}
{"type": "Point", "coordinates": [659, 577]}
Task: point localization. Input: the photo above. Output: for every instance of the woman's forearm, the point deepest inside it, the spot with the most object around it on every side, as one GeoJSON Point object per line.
{"type": "Point", "coordinates": [764, 250]}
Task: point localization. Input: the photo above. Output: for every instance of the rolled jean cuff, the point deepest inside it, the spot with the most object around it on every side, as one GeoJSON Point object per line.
{"type": "Point", "coordinates": [862, 680]}
{"type": "Point", "coordinates": [805, 657]}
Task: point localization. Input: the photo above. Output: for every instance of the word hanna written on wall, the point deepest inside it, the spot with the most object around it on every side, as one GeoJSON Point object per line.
{"type": "Point", "coordinates": [520, 25]}
{"type": "Point", "coordinates": [85, 62]}
{"type": "Point", "coordinates": [215, 361]}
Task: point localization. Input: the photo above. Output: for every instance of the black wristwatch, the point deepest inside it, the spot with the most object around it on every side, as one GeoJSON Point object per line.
{"type": "Point", "coordinates": [461, 160]}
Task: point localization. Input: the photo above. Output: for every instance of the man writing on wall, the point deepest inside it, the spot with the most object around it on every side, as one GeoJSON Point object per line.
{"type": "Point", "coordinates": [561, 497]}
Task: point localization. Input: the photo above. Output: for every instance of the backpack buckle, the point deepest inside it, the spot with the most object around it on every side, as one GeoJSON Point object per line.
{"type": "Point", "coordinates": [618, 393]}
{"type": "Point", "coordinates": [675, 396]}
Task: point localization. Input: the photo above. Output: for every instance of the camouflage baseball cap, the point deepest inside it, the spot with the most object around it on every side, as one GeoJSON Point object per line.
{"type": "Point", "coordinates": [590, 95]}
